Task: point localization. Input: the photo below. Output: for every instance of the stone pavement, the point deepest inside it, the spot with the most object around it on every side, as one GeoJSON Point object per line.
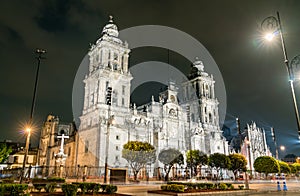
{"type": "Point", "coordinates": [258, 188]}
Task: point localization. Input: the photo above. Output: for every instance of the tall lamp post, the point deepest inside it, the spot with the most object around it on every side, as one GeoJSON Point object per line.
{"type": "Point", "coordinates": [110, 121]}
{"type": "Point", "coordinates": [247, 142]}
{"type": "Point", "coordinates": [39, 52]}
{"type": "Point", "coordinates": [238, 127]}
{"type": "Point", "coordinates": [273, 24]}
{"type": "Point", "coordinates": [275, 144]}
{"type": "Point", "coordinates": [249, 156]}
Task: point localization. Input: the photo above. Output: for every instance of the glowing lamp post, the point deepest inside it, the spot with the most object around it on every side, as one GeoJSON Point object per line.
{"type": "Point", "coordinates": [272, 25]}
{"type": "Point", "coordinates": [39, 52]}
{"type": "Point", "coordinates": [282, 148]}
{"type": "Point", "coordinates": [28, 131]}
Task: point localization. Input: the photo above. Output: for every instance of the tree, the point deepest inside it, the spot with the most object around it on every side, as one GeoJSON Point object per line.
{"type": "Point", "coordinates": [238, 163]}
{"type": "Point", "coordinates": [295, 168]}
{"type": "Point", "coordinates": [219, 161]}
{"type": "Point", "coordinates": [284, 167]}
{"type": "Point", "coordinates": [196, 158]}
{"type": "Point", "coordinates": [138, 154]}
{"type": "Point", "coordinates": [266, 164]}
{"type": "Point", "coordinates": [203, 160]}
{"type": "Point", "coordinates": [4, 152]}
{"type": "Point", "coordinates": [169, 157]}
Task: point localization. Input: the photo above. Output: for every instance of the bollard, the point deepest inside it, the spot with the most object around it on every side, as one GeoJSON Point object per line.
{"type": "Point", "coordinates": [278, 183]}
{"type": "Point", "coordinates": [284, 187]}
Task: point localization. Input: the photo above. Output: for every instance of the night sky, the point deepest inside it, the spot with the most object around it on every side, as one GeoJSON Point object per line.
{"type": "Point", "coordinates": [255, 77]}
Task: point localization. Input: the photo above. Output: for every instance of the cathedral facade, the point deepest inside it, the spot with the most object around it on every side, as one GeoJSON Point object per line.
{"type": "Point", "coordinates": [108, 120]}
{"type": "Point", "coordinates": [254, 144]}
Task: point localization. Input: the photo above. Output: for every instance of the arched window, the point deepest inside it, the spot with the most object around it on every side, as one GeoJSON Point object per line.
{"type": "Point", "coordinates": [115, 66]}
{"type": "Point", "coordinates": [108, 59]}
{"type": "Point", "coordinates": [86, 146]}
{"type": "Point", "coordinates": [210, 118]}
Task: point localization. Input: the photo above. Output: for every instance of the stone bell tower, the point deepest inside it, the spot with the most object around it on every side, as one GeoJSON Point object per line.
{"type": "Point", "coordinates": [106, 94]}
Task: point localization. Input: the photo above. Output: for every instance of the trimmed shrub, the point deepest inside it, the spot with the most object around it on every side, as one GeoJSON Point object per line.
{"type": "Point", "coordinates": [173, 187]}
{"type": "Point", "coordinates": [229, 186]}
{"type": "Point", "coordinates": [110, 188]}
{"type": "Point", "coordinates": [102, 187]}
{"type": "Point", "coordinates": [215, 186]}
{"type": "Point", "coordinates": [201, 186]}
{"type": "Point", "coordinates": [39, 186]}
{"type": "Point", "coordinates": [209, 185]}
{"type": "Point", "coordinates": [56, 179]}
{"type": "Point", "coordinates": [88, 187]}
{"type": "Point", "coordinates": [13, 189]}
{"type": "Point", "coordinates": [69, 189]}
{"type": "Point", "coordinates": [178, 188]}
{"type": "Point", "coordinates": [222, 186]}
{"type": "Point", "coordinates": [190, 185]}
{"type": "Point", "coordinates": [50, 188]}
{"type": "Point", "coordinates": [96, 187]}
{"type": "Point", "coordinates": [163, 187]}
{"type": "Point", "coordinates": [83, 187]}
{"type": "Point", "coordinates": [241, 187]}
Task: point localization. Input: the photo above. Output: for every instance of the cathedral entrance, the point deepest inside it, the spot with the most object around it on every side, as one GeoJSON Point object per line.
{"type": "Point", "coordinates": [118, 176]}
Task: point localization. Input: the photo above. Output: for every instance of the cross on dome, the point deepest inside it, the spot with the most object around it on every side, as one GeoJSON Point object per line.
{"type": "Point", "coordinates": [110, 29]}
{"type": "Point", "coordinates": [110, 19]}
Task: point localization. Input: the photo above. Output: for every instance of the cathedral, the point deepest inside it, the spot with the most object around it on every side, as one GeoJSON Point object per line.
{"type": "Point", "coordinates": [109, 120]}
{"type": "Point", "coordinates": [254, 144]}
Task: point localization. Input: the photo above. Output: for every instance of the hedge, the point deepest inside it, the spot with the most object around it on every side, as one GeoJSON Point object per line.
{"type": "Point", "coordinates": [13, 189]}
{"type": "Point", "coordinates": [173, 187]}
{"type": "Point", "coordinates": [87, 187]}
{"type": "Point", "coordinates": [202, 185]}
{"type": "Point", "coordinates": [69, 189]}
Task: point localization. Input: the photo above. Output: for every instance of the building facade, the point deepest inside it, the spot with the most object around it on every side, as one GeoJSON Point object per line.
{"type": "Point", "coordinates": [108, 120]}
{"type": "Point", "coordinates": [254, 144]}
{"type": "Point", "coordinates": [49, 145]}
{"type": "Point", "coordinates": [191, 123]}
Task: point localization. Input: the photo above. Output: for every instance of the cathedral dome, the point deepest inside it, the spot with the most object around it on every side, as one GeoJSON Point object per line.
{"type": "Point", "coordinates": [111, 29]}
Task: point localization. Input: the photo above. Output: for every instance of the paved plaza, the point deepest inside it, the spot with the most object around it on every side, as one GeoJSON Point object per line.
{"type": "Point", "coordinates": [257, 188]}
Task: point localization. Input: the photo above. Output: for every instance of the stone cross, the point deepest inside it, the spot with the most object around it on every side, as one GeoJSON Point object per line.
{"type": "Point", "coordinates": [63, 137]}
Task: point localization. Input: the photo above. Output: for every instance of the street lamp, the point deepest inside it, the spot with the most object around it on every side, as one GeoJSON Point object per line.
{"type": "Point", "coordinates": [249, 156]}
{"type": "Point", "coordinates": [273, 27]}
{"type": "Point", "coordinates": [110, 122]}
{"type": "Point", "coordinates": [238, 127]}
{"type": "Point", "coordinates": [39, 52]}
{"type": "Point", "coordinates": [275, 144]}
{"type": "Point", "coordinates": [282, 148]}
{"type": "Point", "coordinates": [247, 178]}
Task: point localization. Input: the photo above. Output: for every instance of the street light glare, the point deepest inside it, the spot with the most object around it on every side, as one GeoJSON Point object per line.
{"type": "Point", "coordinates": [28, 130]}
{"type": "Point", "coordinates": [269, 36]}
